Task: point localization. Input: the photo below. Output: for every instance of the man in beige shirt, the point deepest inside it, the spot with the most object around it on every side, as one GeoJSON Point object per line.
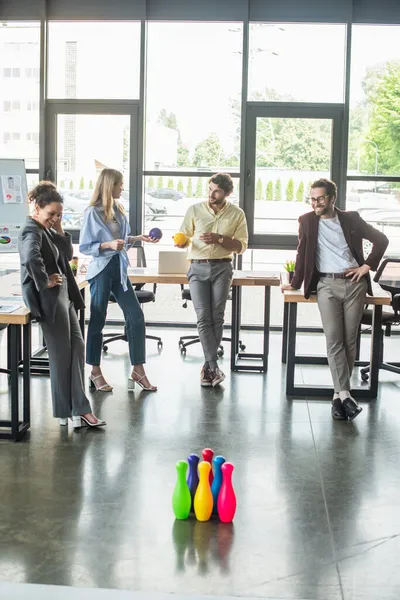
{"type": "Point", "coordinates": [216, 229]}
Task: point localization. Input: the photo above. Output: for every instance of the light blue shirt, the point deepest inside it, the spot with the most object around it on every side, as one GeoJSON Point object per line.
{"type": "Point", "coordinates": [333, 253]}
{"type": "Point", "coordinates": [94, 232]}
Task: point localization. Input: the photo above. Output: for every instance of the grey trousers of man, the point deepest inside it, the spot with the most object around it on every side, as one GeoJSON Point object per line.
{"type": "Point", "coordinates": [341, 303]}
{"type": "Point", "coordinates": [209, 285]}
{"type": "Point", "coordinates": [66, 350]}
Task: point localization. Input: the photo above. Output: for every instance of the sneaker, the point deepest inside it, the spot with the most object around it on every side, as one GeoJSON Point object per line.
{"type": "Point", "coordinates": [217, 377]}
{"type": "Point", "coordinates": [205, 378]}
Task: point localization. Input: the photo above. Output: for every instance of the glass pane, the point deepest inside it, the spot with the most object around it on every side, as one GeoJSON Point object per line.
{"type": "Point", "coordinates": [193, 105]}
{"type": "Point", "coordinates": [85, 145]}
{"type": "Point", "coordinates": [379, 204]}
{"type": "Point", "coordinates": [297, 62]}
{"type": "Point", "coordinates": [290, 155]}
{"type": "Point", "coordinates": [374, 140]}
{"type": "Point", "coordinates": [20, 91]}
{"type": "Point", "coordinates": [94, 60]}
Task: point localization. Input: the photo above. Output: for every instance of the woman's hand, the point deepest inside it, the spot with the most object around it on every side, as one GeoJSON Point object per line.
{"type": "Point", "coordinates": [58, 226]}
{"type": "Point", "coordinates": [116, 245]}
{"type": "Point", "coordinates": [146, 238]}
{"type": "Point", "coordinates": [54, 280]}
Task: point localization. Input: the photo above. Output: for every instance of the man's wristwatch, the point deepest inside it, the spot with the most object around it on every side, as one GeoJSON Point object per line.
{"type": "Point", "coordinates": [220, 240]}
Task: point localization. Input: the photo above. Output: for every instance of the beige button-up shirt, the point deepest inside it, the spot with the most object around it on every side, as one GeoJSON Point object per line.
{"type": "Point", "coordinates": [229, 221]}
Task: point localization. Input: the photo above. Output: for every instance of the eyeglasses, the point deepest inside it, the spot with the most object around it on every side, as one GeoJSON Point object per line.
{"type": "Point", "coordinates": [319, 200]}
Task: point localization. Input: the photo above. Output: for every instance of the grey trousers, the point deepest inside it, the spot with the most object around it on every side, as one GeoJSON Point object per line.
{"type": "Point", "coordinates": [209, 285]}
{"type": "Point", "coordinates": [66, 350]}
{"type": "Point", "coordinates": [341, 303]}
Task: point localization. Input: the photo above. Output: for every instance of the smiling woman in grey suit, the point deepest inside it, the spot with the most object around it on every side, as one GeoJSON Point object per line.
{"type": "Point", "coordinates": [52, 295]}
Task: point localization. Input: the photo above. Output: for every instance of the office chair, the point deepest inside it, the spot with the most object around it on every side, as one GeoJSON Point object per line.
{"type": "Point", "coordinates": [388, 277]}
{"type": "Point", "coordinates": [194, 339]}
{"type": "Point", "coordinates": [137, 259]}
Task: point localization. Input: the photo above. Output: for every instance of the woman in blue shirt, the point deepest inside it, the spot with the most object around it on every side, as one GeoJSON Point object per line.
{"type": "Point", "coordinates": [104, 236]}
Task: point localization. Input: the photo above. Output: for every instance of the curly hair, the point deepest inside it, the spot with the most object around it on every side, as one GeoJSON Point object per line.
{"type": "Point", "coordinates": [330, 186]}
{"type": "Point", "coordinates": [44, 193]}
{"type": "Point", "coordinates": [223, 181]}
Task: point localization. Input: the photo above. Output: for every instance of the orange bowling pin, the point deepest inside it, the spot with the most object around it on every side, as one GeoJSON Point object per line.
{"type": "Point", "coordinates": [203, 499]}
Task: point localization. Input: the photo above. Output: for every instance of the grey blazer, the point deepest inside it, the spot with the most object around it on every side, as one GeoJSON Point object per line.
{"type": "Point", "coordinates": [38, 257]}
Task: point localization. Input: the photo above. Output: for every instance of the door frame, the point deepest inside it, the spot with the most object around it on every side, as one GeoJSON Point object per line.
{"type": "Point", "coordinates": [130, 108]}
{"type": "Point", "coordinates": [288, 110]}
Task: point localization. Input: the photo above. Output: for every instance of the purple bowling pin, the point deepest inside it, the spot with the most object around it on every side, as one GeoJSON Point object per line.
{"type": "Point", "coordinates": [193, 477]}
{"type": "Point", "coordinates": [226, 498]}
{"type": "Point", "coordinates": [217, 481]}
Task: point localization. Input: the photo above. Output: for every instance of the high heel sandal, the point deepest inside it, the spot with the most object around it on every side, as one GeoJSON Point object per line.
{"type": "Point", "coordinates": [106, 387]}
{"type": "Point", "coordinates": [132, 381]}
{"type": "Point", "coordinates": [81, 421]}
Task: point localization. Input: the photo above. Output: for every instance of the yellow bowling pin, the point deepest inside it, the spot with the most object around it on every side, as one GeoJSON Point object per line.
{"type": "Point", "coordinates": [203, 499]}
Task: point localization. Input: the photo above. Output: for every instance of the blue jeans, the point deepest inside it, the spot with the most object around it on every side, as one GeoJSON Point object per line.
{"type": "Point", "coordinates": [108, 282]}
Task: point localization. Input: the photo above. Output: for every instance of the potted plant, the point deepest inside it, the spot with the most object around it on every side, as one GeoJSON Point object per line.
{"type": "Point", "coordinates": [289, 268]}
{"type": "Point", "coordinates": [74, 265]}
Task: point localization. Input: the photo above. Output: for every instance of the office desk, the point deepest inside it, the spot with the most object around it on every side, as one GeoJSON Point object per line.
{"type": "Point", "coordinates": [292, 299]}
{"type": "Point", "coordinates": [14, 428]}
{"type": "Point", "coordinates": [240, 279]}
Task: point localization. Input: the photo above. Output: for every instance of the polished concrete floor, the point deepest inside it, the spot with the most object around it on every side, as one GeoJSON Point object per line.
{"type": "Point", "coordinates": [317, 501]}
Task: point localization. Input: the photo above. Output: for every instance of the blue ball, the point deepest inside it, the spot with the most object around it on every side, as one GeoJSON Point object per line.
{"type": "Point", "coordinates": [155, 233]}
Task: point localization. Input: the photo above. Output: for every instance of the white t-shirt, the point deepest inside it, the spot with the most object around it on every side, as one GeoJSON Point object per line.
{"type": "Point", "coordinates": [333, 253]}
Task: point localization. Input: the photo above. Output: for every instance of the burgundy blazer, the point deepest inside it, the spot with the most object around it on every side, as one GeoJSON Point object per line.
{"type": "Point", "coordinates": [355, 229]}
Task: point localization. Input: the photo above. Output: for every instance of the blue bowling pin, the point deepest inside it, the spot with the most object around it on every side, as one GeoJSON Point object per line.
{"type": "Point", "coordinates": [193, 476]}
{"type": "Point", "coordinates": [217, 481]}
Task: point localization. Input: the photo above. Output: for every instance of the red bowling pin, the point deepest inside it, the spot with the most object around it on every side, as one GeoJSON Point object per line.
{"type": "Point", "coordinates": [226, 498]}
{"type": "Point", "coordinates": [207, 455]}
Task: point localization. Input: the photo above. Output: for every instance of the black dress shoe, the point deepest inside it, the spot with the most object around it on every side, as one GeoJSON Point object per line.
{"type": "Point", "coordinates": [338, 412]}
{"type": "Point", "coordinates": [351, 408]}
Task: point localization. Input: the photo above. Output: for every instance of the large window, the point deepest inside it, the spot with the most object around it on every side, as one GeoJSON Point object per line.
{"type": "Point", "coordinates": [296, 62]}
{"type": "Point", "coordinates": [20, 91]}
{"type": "Point", "coordinates": [193, 99]}
{"type": "Point", "coordinates": [94, 60]}
{"type": "Point", "coordinates": [374, 134]}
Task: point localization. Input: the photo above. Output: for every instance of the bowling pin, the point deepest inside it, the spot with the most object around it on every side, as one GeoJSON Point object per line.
{"type": "Point", "coordinates": [226, 498]}
{"type": "Point", "coordinates": [207, 455]}
{"type": "Point", "coordinates": [193, 477]}
{"type": "Point", "coordinates": [181, 499]}
{"type": "Point", "coordinates": [217, 481]}
{"type": "Point", "coordinates": [203, 500]}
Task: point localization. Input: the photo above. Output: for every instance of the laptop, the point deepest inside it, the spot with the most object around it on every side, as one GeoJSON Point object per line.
{"type": "Point", "coordinates": [173, 261]}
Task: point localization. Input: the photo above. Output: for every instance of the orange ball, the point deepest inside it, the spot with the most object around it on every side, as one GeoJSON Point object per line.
{"type": "Point", "coordinates": [180, 239]}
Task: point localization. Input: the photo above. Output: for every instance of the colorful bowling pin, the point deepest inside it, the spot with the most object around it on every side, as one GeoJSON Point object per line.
{"type": "Point", "coordinates": [217, 481]}
{"type": "Point", "coordinates": [203, 500]}
{"type": "Point", "coordinates": [226, 498]}
{"type": "Point", "coordinates": [181, 499]}
{"type": "Point", "coordinates": [193, 476]}
{"type": "Point", "coordinates": [207, 455]}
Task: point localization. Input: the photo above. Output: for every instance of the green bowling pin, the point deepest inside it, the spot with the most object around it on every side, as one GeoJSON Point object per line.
{"type": "Point", "coordinates": [181, 498]}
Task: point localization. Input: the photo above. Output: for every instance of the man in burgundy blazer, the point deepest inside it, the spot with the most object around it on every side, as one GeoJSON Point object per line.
{"type": "Point", "coordinates": [330, 261]}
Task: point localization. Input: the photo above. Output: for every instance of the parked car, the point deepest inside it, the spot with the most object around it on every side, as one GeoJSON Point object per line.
{"type": "Point", "coordinates": [165, 193]}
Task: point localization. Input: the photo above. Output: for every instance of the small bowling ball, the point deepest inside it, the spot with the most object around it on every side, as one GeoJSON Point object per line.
{"type": "Point", "coordinates": [180, 239]}
{"type": "Point", "coordinates": [155, 233]}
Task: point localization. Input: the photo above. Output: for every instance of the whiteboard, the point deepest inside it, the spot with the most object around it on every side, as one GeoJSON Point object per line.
{"type": "Point", "coordinates": [14, 206]}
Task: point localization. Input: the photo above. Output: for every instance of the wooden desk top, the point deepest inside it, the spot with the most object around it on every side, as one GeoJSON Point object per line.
{"type": "Point", "coordinates": [244, 278]}
{"type": "Point", "coordinates": [379, 297]}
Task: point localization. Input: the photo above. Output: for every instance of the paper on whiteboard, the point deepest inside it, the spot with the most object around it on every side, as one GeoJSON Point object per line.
{"type": "Point", "coordinates": [12, 189]}
{"type": "Point", "coordinates": [9, 237]}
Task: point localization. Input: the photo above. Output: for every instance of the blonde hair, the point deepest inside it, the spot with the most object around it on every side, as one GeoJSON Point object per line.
{"type": "Point", "coordinates": [102, 193]}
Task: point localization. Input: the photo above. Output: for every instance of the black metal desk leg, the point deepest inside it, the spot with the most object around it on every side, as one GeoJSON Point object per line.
{"type": "Point", "coordinates": [375, 350]}
{"type": "Point", "coordinates": [234, 329]}
{"type": "Point", "coordinates": [14, 332]}
{"type": "Point", "coordinates": [27, 372]}
{"type": "Point", "coordinates": [291, 347]}
{"type": "Point", "coordinates": [267, 305]}
{"type": "Point", "coordinates": [82, 315]}
{"type": "Point", "coordinates": [285, 331]}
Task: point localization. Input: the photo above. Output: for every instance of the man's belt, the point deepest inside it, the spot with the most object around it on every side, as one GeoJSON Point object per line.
{"type": "Point", "coordinates": [334, 275]}
{"type": "Point", "coordinates": [210, 260]}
